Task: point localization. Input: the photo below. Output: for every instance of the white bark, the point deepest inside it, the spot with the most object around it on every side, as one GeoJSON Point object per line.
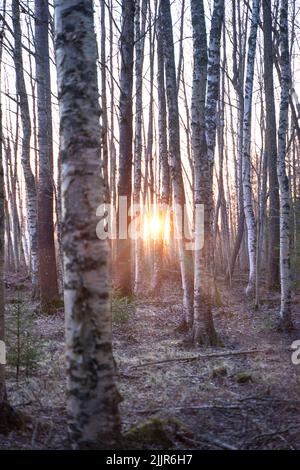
{"type": "Point", "coordinates": [185, 258]}
{"type": "Point", "coordinates": [203, 140]}
{"type": "Point", "coordinates": [25, 158]}
{"type": "Point", "coordinates": [247, 185]}
{"type": "Point", "coordinates": [104, 118]}
{"type": "Point", "coordinates": [285, 273]}
{"type": "Point", "coordinates": [92, 396]}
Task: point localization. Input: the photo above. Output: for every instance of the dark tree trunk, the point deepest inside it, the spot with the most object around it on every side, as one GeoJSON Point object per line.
{"type": "Point", "coordinates": [125, 139]}
{"type": "Point", "coordinates": [271, 149]}
{"type": "Point", "coordinates": [46, 248]}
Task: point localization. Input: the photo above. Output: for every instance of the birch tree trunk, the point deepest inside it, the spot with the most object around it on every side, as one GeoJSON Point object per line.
{"type": "Point", "coordinates": [140, 22]}
{"type": "Point", "coordinates": [11, 181]}
{"type": "Point", "coordinates": [112, 147]}
{"type": "Point", "coordinates": [185, 258]}
{"type": "Point", "coordinates": [125, 140]}
{"type": "Point", "coordinates": [247, 185]}
{"type": "Point", "coordinates": [46, 248]}
{"type": "Point", "coordinates": [213, 89]}
{"type": "Point", "coordinates": [149, 188]}
{"type": "Point", "coordinates": [104, 119]}
{"type": "Point", "coordinates": [238, 60]}
{"type": "Point", "coordinates": [203, 142]}
{"type": "Point", "coordinates": [25, 158]}
{"type": "Point", "coordinates": [271, 149]}
{"type": "Point", "coordinates": [92, 396]}
{"type": "Point", "coordinates": [285, 272]}
{"type": "Point", "coordinates": [199, 151]}
{"type": "Point", "coordinates": [221, 204]}
{"type": "Point", "coordinates": [162, 123]}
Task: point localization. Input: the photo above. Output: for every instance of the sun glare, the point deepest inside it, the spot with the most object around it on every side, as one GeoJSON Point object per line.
{"type": "Point", "coordinates": [156, 226]}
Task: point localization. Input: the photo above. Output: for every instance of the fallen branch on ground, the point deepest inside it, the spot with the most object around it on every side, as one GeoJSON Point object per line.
{"type": "Point", "coordinates": [190, 407]}
{"type": "Point", "coordinates": [218, 443]}
{"type": "Point", "coordinates": [203, 356]}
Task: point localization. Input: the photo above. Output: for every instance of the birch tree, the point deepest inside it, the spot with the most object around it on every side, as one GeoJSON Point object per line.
{"type": "Point", "coordinates": [112, 147]}
{"type": "Point", "coordinates": [92, 398]}
{"type": "Point", "coordinates": [246, 164]}
{"type": "Point", "coordinates": [203, 140]}
{"type": "Point", "coordinates": [162, 122]}
{"type": "Point", "coordinates": [239, 35]}
{"type": "Point", "coordinates": [185, 258]}
{"type": "Point", "coordinates": [104, 120]}
{"type": "Point", "coordinates": [285, 82]}
{"type": "Point", "coordinates": [149, 177]}
{"type": "Point", "coordinates": [26, 135]}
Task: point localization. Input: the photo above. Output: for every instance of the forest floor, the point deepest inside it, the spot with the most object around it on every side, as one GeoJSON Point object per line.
{"type": "Point", "coordinates": [244, 395]}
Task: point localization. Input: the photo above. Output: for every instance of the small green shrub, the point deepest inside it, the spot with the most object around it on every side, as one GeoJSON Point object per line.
{"type": "Point", "coordinates": [24, 350]}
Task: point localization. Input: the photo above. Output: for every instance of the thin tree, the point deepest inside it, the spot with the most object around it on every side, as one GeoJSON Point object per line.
{"type": "Point", "coordinates": [271, 149]}
{"type": "Point", "coordinates": [285, 271]}
{"type": "Point", "coordinates": [26, 135]}
{"type": "Point", "coordinates": [246, 165]}
{"type": "Point", "coordinates": [239, 35]}
{"type": "Point", "coordinates": [125, 141]}
{"type": "Point", "coordinates": [139, 23]}
{"type": "Point", "coordinates": [104, 120]}
{"type": "Point", "coordinates": [185, 258]}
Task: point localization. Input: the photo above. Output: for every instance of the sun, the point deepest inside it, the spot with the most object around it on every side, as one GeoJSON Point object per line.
{"type": "Point", "coordinates": [156, 226]}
